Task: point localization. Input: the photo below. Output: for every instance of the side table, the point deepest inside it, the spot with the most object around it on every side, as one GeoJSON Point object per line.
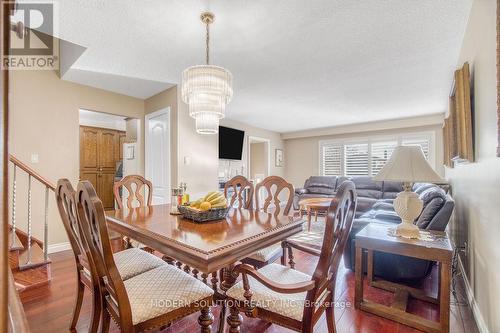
{"type": "Point", "coordinates": [433, 245]}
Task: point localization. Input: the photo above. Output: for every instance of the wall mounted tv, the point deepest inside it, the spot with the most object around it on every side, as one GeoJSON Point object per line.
{"type": "Point", "coordinates": [230, 143]}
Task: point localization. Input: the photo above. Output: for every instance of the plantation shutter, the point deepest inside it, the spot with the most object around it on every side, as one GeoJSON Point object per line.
{"type": "Point", "coordinates": [423, 142]}
{"type": "Point", "coordinates": [380, 154]}
{"type": "Point", "coordinates": [356, 159]}
{"type": "Point", "coordinates": [332, 160]}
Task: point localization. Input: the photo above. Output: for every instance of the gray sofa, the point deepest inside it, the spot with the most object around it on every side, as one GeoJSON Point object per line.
{"type": "Point", "coordinates": [369, 191]}
{"type": "Point", "coordinates": [375, 205]}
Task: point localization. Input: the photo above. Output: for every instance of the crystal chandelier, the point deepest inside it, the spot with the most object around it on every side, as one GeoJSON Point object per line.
{"type": "Point", "coordinates": [207, 89]}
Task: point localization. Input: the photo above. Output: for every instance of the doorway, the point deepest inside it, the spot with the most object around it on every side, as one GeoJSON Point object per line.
{"type": "Point", "coordinates": [258, 159]}
{"type": "Point", "coordinates": [102, 138]}
{"type": "Point", "coordinates": [157, 159]}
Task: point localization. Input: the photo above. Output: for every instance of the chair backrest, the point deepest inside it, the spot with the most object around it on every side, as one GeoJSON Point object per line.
{"type": "Point", "coordinates": [337, 228]}
{"type": "Point", "coordinates": [134, 185]}
{"type": "Point", "coordinates": [96, 236]}
{"type": "Point", "coordinates": [66, 204]}
{"type": "Point", "coordinates": [239, 184]}
{"type": "Point", "coordinates": [279, 184]}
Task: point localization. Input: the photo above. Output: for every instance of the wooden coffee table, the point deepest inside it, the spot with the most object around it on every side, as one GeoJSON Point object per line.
{"type": "Point", "coordinates": [314, 206]}
{"type": "Point", "coordinates": [434, 246]}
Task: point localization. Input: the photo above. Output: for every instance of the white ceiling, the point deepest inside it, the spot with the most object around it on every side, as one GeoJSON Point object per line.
{"type": "Point", "coordinates": [296, 64]}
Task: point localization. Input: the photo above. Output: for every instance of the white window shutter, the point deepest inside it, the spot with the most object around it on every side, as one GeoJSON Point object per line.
{"type": "Point", "coordinates": [380, 154]}
{"type": "Point", "coordinates": [356, 159]}
{"type": "Point", "coordinates": [331, 159]}
{"type": "Point", "coordinates": [422, 141]}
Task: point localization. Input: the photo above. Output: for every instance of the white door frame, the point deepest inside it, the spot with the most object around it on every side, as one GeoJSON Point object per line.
{"type": "Point", "coordinates": [147, 149]}
{"type": "Point", "coordinates": [256, 139]}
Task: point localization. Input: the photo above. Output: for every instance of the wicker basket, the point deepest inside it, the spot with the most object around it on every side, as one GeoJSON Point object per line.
{"type": "Point", "coordinates": [203, 216]}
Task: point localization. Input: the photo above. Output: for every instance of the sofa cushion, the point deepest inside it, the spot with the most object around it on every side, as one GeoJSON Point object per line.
{"type": "Point", "coordinates": [430, 193]}
{"type": "Point", "coordinates": [421, 187]}
{"type": "Point", "coordinates": [366, 183]}
{"type": "Point", "coordinates": [321, 190]}
{"type": "Point", "coordinates": [340, 180]}
{"type": "Point", "coordinates": [430, 210]}
{"type": "Point", "coordinates": [364, 204]}
{"type": "Point", "coordinates": [391, 189]}
{"type": "Point", "coordinates": [321, 181]}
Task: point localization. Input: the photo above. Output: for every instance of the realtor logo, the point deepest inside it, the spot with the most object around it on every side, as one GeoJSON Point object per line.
{"type": "Point", "coordinates": [32, 45]}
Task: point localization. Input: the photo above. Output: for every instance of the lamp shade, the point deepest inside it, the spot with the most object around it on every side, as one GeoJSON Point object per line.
{"type": "Point", "coordinates": [408, 164]}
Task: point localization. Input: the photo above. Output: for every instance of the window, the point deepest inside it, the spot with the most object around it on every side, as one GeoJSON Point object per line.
{"type": "Point", "coordinates": [365, 157]}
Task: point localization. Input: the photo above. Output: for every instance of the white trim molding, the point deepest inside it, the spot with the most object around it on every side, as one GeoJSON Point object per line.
{"type": "Point", "coordinates": [59, 247]}
{"type": "Point", "coordinates": [481, 323]}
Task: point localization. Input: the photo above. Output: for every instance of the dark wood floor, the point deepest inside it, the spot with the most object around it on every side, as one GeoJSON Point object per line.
{"type": "Point", "coordinates": [49, 308]}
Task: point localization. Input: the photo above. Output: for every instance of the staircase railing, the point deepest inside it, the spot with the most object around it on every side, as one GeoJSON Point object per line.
{"type": "Point", "coordinates": [32, 174]}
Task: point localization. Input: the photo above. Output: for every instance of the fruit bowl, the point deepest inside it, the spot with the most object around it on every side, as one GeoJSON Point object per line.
{"type": "Point", "coordinates": [198, 215]}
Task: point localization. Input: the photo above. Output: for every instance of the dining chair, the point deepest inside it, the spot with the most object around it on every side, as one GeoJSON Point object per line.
{"type": "Point", "coordinates": [137, 187]}
{"type": "Point", "coordinates": [147, 301]}
{"type": "Point", "coordinates": [298, 300]}
{"type": "Point", "coordinates": [239, 186]}
{"type": "Point", "coordinates": [130, 262]}
{"type": "Point", "coordinates": [272, 187]}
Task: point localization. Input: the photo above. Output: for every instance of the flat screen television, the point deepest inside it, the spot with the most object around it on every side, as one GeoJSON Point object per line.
{"type": "Point", "coordinates": [230, 143]}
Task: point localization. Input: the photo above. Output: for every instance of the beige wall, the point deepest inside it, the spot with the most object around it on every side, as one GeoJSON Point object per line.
{"type": "Point", "coordinates": [258, 159]}
{"type": "Point", "coordinates": [476, 185]}
{"type": "Point", "coordinates": [302, 154]}
{"type": "Point", "coordinates": [44, 121]}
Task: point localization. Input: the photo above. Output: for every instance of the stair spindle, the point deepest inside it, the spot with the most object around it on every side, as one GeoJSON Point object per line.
{"type": "Point", "coordinates": [14, 208]}
{"type": "Point", "coordinates": [29, 221]}
{"type": "Point", "coordinates": [46, 227]}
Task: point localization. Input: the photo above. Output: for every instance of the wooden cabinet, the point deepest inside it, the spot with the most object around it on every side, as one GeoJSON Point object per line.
{"type": "Point", "coordinates": [100, 149]}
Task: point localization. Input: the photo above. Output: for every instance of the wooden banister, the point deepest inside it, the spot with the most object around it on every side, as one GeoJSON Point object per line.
{"type": "Point", "coordinates": [32, 172]}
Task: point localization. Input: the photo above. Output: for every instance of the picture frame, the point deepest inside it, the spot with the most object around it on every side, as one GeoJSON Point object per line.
{"type": "Point", "coordinates": [278, 158]}
{"type": "Point", "coordinates": [458, 129]}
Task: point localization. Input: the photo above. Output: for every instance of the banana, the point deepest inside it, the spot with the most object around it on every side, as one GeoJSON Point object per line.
{"type": "Point", "coordinates": [212, 196]}
{"type": "Point", "coordinates": [217, 200]}
{"type": "Point", "coordinates": [209, 195]}
{"type": "Point", "coordinates": [222, 204]}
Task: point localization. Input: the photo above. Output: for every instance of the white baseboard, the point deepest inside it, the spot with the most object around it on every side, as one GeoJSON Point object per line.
{"type": "Point", "coordinates": [59, 247]}
{"type": "Point", "coordinates": [481, 324]}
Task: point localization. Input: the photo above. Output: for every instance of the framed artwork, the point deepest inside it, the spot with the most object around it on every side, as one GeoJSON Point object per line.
{"type": "Point", "coordinates": [278, 158]}
{"type": "Point", "coordinates": [458, 126]}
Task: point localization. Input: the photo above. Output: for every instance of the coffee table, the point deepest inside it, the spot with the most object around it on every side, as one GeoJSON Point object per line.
{"type": "Point", "coordinates": [314, 206]}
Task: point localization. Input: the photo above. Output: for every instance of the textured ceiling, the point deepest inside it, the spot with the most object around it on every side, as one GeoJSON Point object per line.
{"type": "Point", "coordinates": [296, 64]}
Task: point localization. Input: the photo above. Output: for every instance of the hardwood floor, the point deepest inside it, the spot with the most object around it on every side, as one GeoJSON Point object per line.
{"type": "Point", "coordinates": [49, 308]}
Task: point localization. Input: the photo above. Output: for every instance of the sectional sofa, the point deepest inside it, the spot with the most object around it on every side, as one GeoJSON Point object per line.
{"type": "Point", "coordinates": [375, 205]}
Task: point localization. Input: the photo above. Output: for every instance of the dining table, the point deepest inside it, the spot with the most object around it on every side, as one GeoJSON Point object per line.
{"type": "Point", "coordinates": [207, 249]}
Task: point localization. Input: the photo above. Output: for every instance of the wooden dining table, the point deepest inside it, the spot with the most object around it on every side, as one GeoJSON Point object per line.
{"type": "Point", "coordinates": [205, 248]}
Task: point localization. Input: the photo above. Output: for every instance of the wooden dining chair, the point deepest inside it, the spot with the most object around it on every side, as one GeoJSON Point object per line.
{"type": "Point", "coordinates": [290, 298]}
{"type": "Point", "coordinates": [147, 301]}
{"type": "Point", "coordinates": [137, 187]}
{"type": "Point", "coordinates": [272, 187]}
{"type": "Point", "coordinates": [239, 185]}
{"type": "Point", "coordinates": [129, 263]}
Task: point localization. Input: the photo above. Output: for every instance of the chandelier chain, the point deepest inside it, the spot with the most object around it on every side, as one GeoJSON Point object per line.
{"type": "Point", "coordinates": [208, 42]}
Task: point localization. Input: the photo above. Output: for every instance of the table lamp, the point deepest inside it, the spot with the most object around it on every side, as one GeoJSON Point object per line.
{"type": "Point", "coordinates": [408, 165]}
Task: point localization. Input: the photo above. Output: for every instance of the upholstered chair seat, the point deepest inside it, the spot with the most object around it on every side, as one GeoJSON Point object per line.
{"type": "Point", "coordinates": [287, 305]}
{"type": "Point", "coordinates": [132, 262]}
{"type": "Point", "coordinates": [266, 254]}
{"type": "Point", "coordinates": [163, 290]}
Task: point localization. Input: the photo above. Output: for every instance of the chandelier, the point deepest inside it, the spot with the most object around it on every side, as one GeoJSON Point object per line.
{"type": "Point", "coordinates": [207, 89]}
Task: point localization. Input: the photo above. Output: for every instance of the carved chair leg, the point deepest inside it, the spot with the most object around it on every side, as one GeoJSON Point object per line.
{"type": "Point", "coordinates": [234, 320]}
{"type": "Point", "coordinates": [96, 311]}
{"type": "Point", "coordinates": [206, 320]}
{"type": "Point", "coordinates": [283, 254]}
{"type": "Point", "coordinates": [290, 257]}
{"type": "Point", "coordinates": [330, 318]}
{"type": "Point", "coordinates": [105, 321]}
{"type": "Point", "coordinates": [78, 304]}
